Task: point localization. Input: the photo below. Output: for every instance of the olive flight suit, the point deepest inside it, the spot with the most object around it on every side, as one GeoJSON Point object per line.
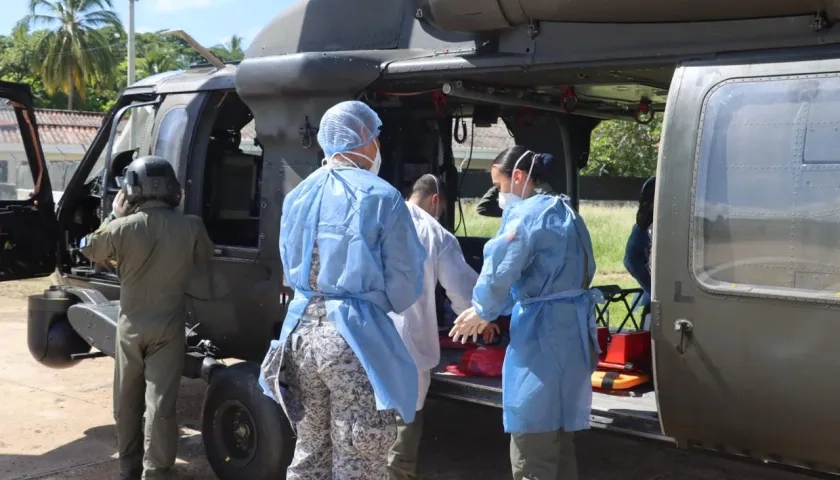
{"type": "Point", "coordinates": [156, 250]}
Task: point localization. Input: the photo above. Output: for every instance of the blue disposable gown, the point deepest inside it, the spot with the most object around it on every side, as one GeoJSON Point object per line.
{"type": "Point", "coordinates": [371, 264]}
{"type": "Point", "coordinates": [538, 268]}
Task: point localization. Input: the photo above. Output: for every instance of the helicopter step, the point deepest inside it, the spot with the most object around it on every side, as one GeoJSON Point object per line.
{"type": "Point", "coordinates": [632, 412]}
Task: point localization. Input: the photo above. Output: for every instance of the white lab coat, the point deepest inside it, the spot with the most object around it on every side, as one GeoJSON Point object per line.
{"type": "Point", "coordinates": [445, 264]}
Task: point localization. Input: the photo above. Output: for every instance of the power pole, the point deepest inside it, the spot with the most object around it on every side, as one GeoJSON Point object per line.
{"type": "Point", "coordinates": [131, 42]}
{"type": "Point", "coordinates": [133, 124]}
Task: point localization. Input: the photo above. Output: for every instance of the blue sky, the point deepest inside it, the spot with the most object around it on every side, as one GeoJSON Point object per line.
{"type": "Point", "coordinates": [209, 21]}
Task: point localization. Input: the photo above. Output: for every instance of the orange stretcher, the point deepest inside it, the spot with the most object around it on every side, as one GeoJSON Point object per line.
{"type": "Point", "coordinates": [612, 380]}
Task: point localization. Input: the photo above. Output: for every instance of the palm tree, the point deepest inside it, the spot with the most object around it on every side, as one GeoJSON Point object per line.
{"type": "Point", "coordinates": [158, 60]}
{"type": "Point", "coordinates": [234, 47]}
{"type": "Point", "coordinates": [230, 50]}
{"type": "Point", "coordinates": [75, 52]}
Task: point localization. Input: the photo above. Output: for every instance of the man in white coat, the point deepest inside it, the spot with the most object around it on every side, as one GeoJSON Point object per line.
{"type": "Point", "coordinates": [418, 325]}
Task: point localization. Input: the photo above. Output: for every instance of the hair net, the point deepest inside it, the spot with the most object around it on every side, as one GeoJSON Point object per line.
{"type": "Point", "coordinates": [347, 126]}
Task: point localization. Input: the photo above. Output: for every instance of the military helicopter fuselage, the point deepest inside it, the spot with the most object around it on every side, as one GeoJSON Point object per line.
{"type": "Point", "coordinates": [745, 270]}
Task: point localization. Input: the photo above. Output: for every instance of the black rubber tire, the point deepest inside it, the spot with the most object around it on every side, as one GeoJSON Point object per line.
{"type": "Point", "coordinates": [234, 398]}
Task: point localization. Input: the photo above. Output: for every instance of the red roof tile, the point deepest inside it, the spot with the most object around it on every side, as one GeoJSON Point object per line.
{"type": "Point", "coordinates": [56, 127]}
{"type": "Point", "coordinates": [495, 137]}
{"type": "Point", "coordinates": [63, 127]}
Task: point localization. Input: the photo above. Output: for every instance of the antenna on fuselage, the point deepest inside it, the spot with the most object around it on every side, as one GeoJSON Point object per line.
{"type": "Point", "coordinates": [197, 46]}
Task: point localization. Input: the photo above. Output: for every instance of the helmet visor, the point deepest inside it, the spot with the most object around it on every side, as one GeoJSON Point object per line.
{"type": "Point", "coordinates": [122, 180]}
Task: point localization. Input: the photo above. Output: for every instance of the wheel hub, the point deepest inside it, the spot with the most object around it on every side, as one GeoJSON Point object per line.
{"type": "Point", "coordinates": [236, 432]}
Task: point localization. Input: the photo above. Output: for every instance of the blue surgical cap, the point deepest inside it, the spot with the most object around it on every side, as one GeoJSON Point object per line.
{"type": "Point", "coordinates": [347, 126]}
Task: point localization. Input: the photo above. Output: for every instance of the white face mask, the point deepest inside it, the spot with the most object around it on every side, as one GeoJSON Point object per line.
{"type": "Point", "coordinates": [507, 199]}
{"type": "Point", "coordinates": [375, 163]}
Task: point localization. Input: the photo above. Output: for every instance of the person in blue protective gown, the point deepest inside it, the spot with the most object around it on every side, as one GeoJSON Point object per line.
{"type": "Point", "coordinates": [350, 251]}
{"type": "Point", "coordinates": [538, 268]}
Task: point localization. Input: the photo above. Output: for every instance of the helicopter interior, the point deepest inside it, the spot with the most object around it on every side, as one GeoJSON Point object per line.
{"type": "Point", "coordinates": [230, 195]}
{"type": "Point", "coordinates": [418, 136]}
{"type": "Point", "coordinates": [553, 119]}
{"type": "Point", "coordinates": [421, 125]}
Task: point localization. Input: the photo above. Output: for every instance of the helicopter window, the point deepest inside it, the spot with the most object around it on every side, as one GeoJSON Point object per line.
{"type": "Point", "coordinates": [766, 211]}
{"type": "Point", "coordinates": [171, 134]}
{"type": "Point", "coordinates": [232, 210]}
{"type": "Point", "coordinates": [232, 173]}
{"type": "Point", "coordinates": [127, 137]}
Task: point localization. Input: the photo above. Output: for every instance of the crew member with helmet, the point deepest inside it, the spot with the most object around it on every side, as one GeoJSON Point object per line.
{"type": "Point", "coordinates": [156, 249]}
{"type": "Point", "coordinates": [350, 251]}
{"type": "Point", "coordinates": [538, 268]}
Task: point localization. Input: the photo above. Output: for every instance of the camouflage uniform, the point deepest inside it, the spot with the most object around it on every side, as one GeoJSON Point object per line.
{"type": "Point", "coordinates": [156, 250]}
{"type": "Point", "coordinates": [330, 401]}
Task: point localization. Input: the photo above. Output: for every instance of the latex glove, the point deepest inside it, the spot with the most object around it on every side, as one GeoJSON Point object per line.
{"type": "Point", "coordinates": [468, 324]}
{"type": "Point", "coordinates": [120, 206]}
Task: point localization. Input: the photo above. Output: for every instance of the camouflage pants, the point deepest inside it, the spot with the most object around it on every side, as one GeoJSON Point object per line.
{"type": "Point", "coordinates": [330, 402]}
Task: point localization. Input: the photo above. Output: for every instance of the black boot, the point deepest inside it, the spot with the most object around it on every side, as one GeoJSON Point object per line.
{"type": "Point", "coordinates": [134, 474]}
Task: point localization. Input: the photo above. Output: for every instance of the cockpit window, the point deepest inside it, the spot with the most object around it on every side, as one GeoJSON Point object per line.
{"type": "Point", "coordinates": [129, 135]}
{"type": "Point", "coordinates": [173, 128]}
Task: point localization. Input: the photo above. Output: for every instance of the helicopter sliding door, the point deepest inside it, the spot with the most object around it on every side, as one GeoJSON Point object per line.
{"type": "Point", "coordinates": [746, 263]}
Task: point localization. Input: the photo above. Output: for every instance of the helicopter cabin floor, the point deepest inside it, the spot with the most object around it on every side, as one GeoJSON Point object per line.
{"type": "Point", "coordinates": [632, 412]}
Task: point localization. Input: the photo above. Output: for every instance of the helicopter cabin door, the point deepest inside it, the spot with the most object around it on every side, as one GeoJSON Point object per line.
{"type": "Point", "coordinates": [747, 259]}
{"type": "Point", "coordinates": [28, 229]}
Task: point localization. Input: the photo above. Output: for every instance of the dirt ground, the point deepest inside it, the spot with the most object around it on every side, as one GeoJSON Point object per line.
{"type": "Point", "coordinates": [57, 424]}
{"type": "Point", "coordinates": [24, 288]}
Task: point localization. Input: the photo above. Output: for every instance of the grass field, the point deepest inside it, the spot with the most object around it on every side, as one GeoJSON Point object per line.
{"type": "Point", "coordinates": [609, 226]}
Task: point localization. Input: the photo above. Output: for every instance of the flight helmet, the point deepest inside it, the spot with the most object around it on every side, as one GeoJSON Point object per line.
{"type": "Point", "coordinates": [150, 178]}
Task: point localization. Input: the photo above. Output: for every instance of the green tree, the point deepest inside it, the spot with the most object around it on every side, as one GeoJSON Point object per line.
{"type": "Point", "coordinates": [159, 58]}
{"type": "Point", "coordinates": [76, 52]}
{"type": "Point", "coordinates": [19, 53]}
{"type": "Point", "coordinates": [19, 62]}
{"type": "Point", "coordinates": [231, 50]}
{"type": "Point", "coordinates": [23, 52]}
{"type": "Point", "coordinates": [624, 148]}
